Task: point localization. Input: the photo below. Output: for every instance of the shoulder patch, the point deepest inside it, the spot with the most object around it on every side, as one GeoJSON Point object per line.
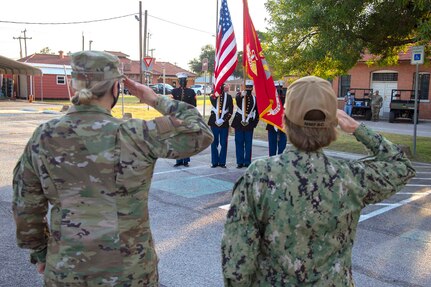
{"type": "Point", "coordinates": [166, 124]}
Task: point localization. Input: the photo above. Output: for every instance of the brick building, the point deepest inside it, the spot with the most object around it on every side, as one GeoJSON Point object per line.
{"type": "Point", "coordinates": [385, 79]}
{"type": "Point", "coordinates": [56, 71]}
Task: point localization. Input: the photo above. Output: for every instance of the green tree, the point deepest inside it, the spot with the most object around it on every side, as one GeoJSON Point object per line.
{"type": "Point", "coordinates": [208, 52]}
{"type": "Point", "coordinates": [328, 37]}
{"type": "Point", "coordinates": [238, 73]}
{"type": "Point", "coordinates": [46, 51]}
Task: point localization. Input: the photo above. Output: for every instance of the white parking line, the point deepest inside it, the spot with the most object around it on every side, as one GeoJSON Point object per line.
{"type": "Point", "coordinates": [225, 207]}
{"type": "Point", "coordinates": [409, 193]}
{"type": "Point", "coordinates": [388, 206]}
{"type": "Point", "coordinates": [395, 205]}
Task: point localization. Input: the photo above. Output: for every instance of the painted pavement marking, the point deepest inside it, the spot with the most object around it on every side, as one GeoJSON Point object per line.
{"type": "Point", "coordinates": [394, 205]}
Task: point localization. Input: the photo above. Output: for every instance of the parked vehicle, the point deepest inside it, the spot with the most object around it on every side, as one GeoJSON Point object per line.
{"type": "Point", "coordinates": [402, 105]}
{"type": "Point", "coordinates": [201, 89]}
{"type": "Point", "coordinates": [158, 88]}
{"type": "Point", "coordinates": [362, 104]}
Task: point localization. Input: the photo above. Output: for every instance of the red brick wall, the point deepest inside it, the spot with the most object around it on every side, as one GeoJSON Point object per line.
{"type": "Point", "coordinates": [361, 78]}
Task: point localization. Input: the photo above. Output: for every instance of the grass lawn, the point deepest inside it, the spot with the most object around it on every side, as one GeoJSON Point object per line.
{"type": "Point", "coordinates": [344, 143]}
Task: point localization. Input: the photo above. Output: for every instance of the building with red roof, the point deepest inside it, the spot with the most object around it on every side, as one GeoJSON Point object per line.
{"type": "Point", "coordinates": [56, 69]}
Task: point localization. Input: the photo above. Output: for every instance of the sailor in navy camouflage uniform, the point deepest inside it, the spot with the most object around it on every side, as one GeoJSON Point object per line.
{"type": "Point", "coordinates": [221, 112]}
{"type": "Point", "coordinates": [293, 217]}
{"type": "Point", "coordinates": [277, 138]}
{"type": "Point", "coordinates": [244, 122]}
{"type": "Point", "coordinates": [187, 95]}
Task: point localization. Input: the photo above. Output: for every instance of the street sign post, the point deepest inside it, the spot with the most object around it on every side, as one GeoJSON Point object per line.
{"type": "Point", "coordinates": [418, 55]}
{"type": "Point", "coordinates": [205, 69]}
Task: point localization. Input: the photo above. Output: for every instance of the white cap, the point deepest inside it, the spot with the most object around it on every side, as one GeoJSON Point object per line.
{"type": "Point", "coordinates": [181, 75]}
{"type": "Point", "coordinates": [249, 82]}
{"type": "Point", "coordinates": [278, 83]}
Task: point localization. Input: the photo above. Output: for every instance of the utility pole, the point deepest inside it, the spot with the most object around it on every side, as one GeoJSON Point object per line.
{"type": "Point", "coordinates": [83, 41]}
{"type": "Point", "coordinates": [25, 41]}
{"type": "Point", "coordinates": [140, 41]}
{"type": "Point", "coordinates": [20, 46]}
{"type": "Point", "coordinates": [145, 34]}
{"type": "Point", "coordinates": [145, 40]}
{"type": "Point", "coordinates": [151, 51]}
{"type": "Point", "coordinates": [148, 43]}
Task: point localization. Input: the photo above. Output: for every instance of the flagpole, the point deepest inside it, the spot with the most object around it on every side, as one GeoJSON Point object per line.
{"type": "Point", "coordinates": [215, 50]}
{"type": "Point", "coordinates": [216, 26]}
{"type": "Point", "coordinates": [244, 54]}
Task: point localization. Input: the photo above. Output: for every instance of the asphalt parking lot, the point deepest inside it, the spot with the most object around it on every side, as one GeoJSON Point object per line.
{"type": "Point", "coordinates": [188, 209]}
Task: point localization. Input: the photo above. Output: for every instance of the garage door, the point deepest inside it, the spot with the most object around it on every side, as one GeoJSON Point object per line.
{"type": "Point", "coordinates": [385, 82]}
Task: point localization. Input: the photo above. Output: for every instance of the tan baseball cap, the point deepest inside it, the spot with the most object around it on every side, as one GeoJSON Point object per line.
{"type": "Point", "coordinates": [307, 94]}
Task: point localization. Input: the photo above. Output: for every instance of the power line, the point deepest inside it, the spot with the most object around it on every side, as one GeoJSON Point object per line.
{"type": "Point", "coordinates": [191, 28]}
{"type": "Point", "coordinates": [102, 20]}
{"type": "Point", "coordinates": [66, 23]}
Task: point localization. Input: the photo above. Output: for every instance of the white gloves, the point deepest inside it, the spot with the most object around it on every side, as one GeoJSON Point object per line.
{"type": "Point", "coordinates": [219, 122]}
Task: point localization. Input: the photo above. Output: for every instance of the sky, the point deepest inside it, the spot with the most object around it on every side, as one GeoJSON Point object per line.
{"type": "Point", "coordinates": [178, 28]}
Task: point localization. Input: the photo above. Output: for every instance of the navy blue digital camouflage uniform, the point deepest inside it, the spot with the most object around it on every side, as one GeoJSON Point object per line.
{"type": "Point", "coordinates": [293, 217]}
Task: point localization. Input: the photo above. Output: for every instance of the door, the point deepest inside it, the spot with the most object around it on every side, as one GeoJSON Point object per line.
{"type": "Point", "coordinates": [385, 90]}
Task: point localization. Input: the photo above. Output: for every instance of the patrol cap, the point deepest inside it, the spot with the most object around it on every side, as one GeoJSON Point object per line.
{"type": "Point", "coordinates": [307, 94]}
{"type": "Point", "coordinates": [181, 75]}
{"type": "Point", "coordinates": [95, 66]}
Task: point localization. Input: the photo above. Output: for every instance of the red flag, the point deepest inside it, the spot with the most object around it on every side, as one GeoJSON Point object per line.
{"type": "Point", "coordinates": [268, 103]}
{"type": "Point", "coordinates": [226, 58]}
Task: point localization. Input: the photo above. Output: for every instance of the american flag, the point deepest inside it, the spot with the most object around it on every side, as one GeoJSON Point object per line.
{"type": "Point", "coordinates": [226, 57]}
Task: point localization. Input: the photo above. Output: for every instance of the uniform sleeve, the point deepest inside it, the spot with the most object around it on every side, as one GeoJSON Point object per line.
{"type": "Point", "coordinates": [387, 172]}
{"type": "Point", "coordinates": [29, 208]}
{"type": "Point", "coordinates": [238, 100]}
{"type": "Point", "coordinates": [180, 133]}
{"type": "Point", "coordinates": [229, 103]}
{"type": "Point", "coordinates": [256, 118]}
{"type": "Point", "coordinates": [194, 98]}
{"type": "Point", "coordinates": [241, 237]}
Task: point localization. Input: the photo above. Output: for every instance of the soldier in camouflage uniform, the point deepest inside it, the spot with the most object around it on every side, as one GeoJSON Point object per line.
{"type": "Point", "coordinates": [95, 171]}
{"type": "Point", "coordinates": [293, 217]}
{"type": "Point", "coordinates": [376, 105]}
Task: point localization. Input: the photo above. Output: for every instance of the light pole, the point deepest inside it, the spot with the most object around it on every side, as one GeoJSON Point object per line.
{"type": "Point", "coordinates": [20, 46]}
{"type": "Point", "coordinates": [89, 44]}
{"type": "Point", "coordinates": [151, 51]}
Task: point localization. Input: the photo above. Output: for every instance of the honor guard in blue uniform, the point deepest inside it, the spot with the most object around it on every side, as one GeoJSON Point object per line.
{"type": "Point", "coordinates": [187, 95]}
{"type": "Point", "coordinates": [221, 112]}
{"type": "Point", "coordinates": [244, 123]}
{"type": "Point", "coordinates": [277, 139]}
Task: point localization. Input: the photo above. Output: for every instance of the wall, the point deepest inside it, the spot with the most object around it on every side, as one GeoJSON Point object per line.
{"type": "Point", "coordinates": [361, 76]}
{"type": "Point", "coordinates": [50, 89]}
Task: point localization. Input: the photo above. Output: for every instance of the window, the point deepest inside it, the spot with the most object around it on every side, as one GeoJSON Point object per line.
{"type": "Point", "coordinates": [61, 80]}
{"type": "Point", "coordinates": [424, 85]}
{"type": "Point", "coordinates": [343, 85]}
{"type": "Point", "coordinates": [385, 77]}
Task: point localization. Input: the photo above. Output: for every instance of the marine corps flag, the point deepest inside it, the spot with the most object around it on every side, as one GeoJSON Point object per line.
{"type": "Point", "coordinates": [268, 104]}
